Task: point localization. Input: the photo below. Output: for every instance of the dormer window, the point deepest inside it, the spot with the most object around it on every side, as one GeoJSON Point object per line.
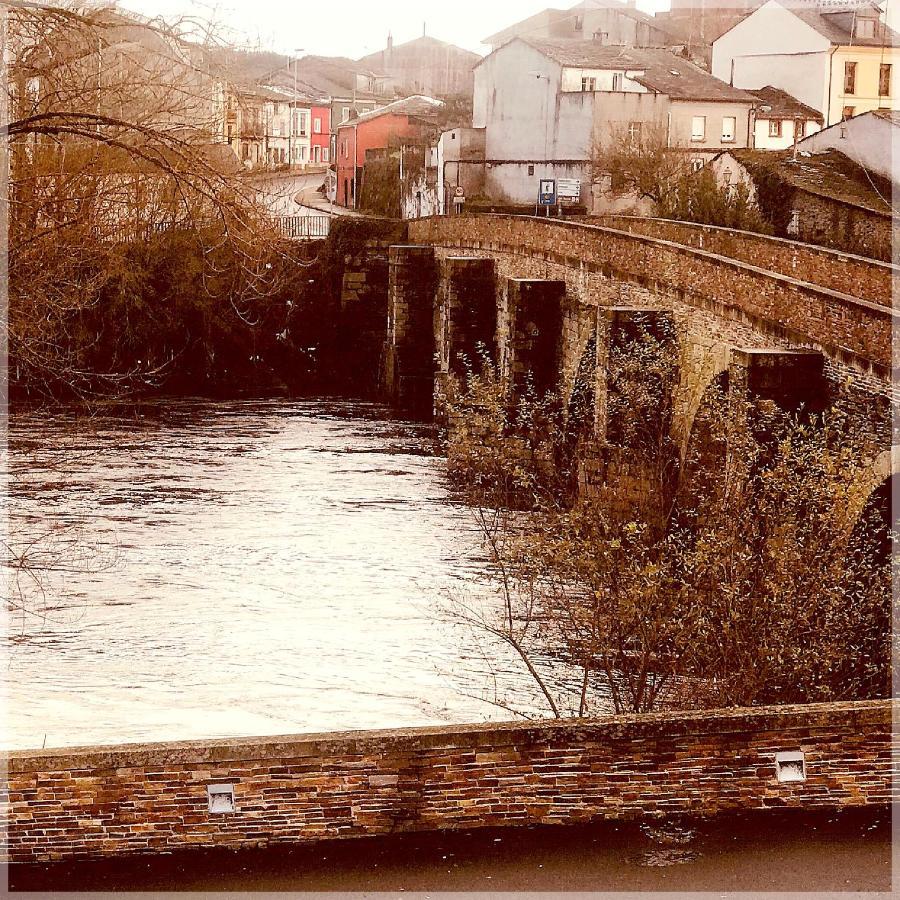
{"type": "Point", "coordinates": [865, 28]}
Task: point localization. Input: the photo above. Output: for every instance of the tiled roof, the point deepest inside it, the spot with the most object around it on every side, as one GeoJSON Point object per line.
{"type": "Point", "coordinates": [379, 58]}
{"type": "Point", "coordinates": [830, 27]}
{"type": "Point", "coordinates": [828, 174]}
{"type": "Point", "coordinates": [775, 103]}
{"type": "Point", "coordinates": [553, 14]}
{"type": "Point", "coordinates": [889, 115]}
{"type": "Point", "coordinates": [660, 70]}
{"type": "Point", "coordinates": [416, 107]}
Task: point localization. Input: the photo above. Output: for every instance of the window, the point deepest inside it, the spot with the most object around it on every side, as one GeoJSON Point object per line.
{"type": "Point", "coordinates": [588, 85]}
{"type": "Point", "coordinates": [634, 132]}
{"type": "Point", "coordinates": [317, 125]}
{"type": "Point", "coordinates": [794, 225]}
{"type": "Point", "coordinates": [698, 128]}
{"type": "Point", "coordinates": [729, 126]}
{"type": "Point", "coordinates": [696, 165]}
{"type": "Point", "coordinates": [884, 80]}
{"type": "Point", "coordinates": [617, 81]}
{"type": "Point", "coordinates": [531, 170]}
{"type": "Point", "coordinates": [849, 77]}
{"type": "Point", "coordinates": [774, 127]}
{"type": "Point", "coordinates": [301, 122]}
{"type": "Point", "coordinates": [579, 23]}
{"type": "Point", "coordinates": [865, 28]}
{"type": "Point", "coordinates": [325, 155]}
{"type": "Point", "coordinates": [345, 114]}
{"type": "Point", "coordinates": [849, 112]}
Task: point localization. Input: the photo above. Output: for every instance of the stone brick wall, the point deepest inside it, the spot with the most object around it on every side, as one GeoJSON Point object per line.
{"type": "Point", "coordinates": [860, 277]}
{"type": "Point", "coordinates": [744, 303]}
{"type": "Point", "coordinates": [824, 220]}
{"type": "Point", "coordinates": [153, 798]}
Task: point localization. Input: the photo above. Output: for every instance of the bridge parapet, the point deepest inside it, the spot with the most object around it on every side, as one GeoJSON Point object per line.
{"type": "Point", "coordinates": [853, 332]}
{"type": "Point", "coordinates": [858, 276]}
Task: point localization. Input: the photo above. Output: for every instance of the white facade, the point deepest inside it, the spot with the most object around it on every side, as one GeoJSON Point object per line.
{"type": "Point", "coordinates": [830, 70]}
{"type": "Point", "coordinates": [773, 47]}
{"type": "Point", "coordinates": [776, 133]}
{"type": "Point", "coordinates": [870, 139]}
{"type": "Point", "coordinates": [574, 79]}
{"type": "Point", "coordinates": [533, 128]}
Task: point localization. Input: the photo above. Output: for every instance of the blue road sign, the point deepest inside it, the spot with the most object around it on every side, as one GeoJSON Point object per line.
{"type": "Point", "coordinates": [547, 193]}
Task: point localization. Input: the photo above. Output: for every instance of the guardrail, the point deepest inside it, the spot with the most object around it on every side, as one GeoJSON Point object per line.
{"type": "Point", "coordinates": [304, 228]}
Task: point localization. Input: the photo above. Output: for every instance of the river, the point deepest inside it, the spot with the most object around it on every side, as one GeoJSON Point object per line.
{"type": "Point", "coordinates": [231, 569]}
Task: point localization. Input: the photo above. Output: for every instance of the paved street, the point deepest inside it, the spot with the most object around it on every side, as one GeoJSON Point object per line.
{"type": "Point", "coordinates": [298, 195]}
{"type": "Point", "coordinates": [771, 851]}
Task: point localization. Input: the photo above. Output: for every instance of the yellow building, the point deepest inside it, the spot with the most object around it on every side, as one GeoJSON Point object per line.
{"type": "Point", "coordinates": [863, 79]}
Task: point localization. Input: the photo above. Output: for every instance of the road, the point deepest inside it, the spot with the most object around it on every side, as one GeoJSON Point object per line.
{"type": "Point", "coordinates": [792, 851]}
{"type": "Point", "coordinates": [297, 195]}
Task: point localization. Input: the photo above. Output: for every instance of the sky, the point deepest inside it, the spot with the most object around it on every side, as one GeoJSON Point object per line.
{"type": "Point", "coordinates": [355, 28]}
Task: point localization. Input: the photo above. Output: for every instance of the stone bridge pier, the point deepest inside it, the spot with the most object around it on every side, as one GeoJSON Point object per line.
{"type": "Point", "coordinates": [561, 321]}
{"type": "Point", "coordinates": [409, 352]}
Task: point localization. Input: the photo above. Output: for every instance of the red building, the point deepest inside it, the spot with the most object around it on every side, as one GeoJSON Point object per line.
{"type": "Point", "coordinates": [320, 136]}
{"type": "Point", "coordinates": [408, 118]}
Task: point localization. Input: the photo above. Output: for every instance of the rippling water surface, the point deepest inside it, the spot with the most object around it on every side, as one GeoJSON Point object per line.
{"type": "Point", "coordinates": [240, 569]}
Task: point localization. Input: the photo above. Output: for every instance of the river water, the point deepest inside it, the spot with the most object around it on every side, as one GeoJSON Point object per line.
{"type": "Point", "coordinates": [255, 568]}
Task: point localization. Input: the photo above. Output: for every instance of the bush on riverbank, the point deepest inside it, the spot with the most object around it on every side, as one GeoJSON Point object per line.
{"type": "Point", "coordinates": [765, 580]}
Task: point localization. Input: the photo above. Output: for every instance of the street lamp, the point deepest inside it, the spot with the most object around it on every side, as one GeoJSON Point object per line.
{"type": "Point", "coordinates": [293, 148]}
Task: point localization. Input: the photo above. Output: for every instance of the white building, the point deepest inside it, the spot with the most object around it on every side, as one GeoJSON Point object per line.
{"type": "Point", "coordinates": [544, 105]}
{"type": "Point", "coordinates": [838, 58]}
{"type": "Point", "coordinates": [782, 120]}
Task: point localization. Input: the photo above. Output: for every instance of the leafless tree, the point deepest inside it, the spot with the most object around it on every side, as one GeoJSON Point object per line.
{"type": "Point", "coordinates": [115, 136]}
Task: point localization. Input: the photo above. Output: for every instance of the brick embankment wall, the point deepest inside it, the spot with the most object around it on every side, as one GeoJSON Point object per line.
{"type": "Point", "coordinates": [856, 333]}
{"type": "Point", "coordinates": [866, 279]}
{"type": "Point", "coordinates": [109, 800]}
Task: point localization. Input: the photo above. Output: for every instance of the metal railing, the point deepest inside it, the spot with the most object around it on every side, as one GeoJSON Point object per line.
{"type": "Point", "coordinates": [304, 228]}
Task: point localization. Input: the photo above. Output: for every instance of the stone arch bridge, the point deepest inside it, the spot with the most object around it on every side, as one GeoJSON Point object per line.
{"type": "Point", "coordinates": [795, 323]}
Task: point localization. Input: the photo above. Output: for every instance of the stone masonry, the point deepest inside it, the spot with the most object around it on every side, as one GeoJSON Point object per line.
{"type": "Point", "coordinates": [859, 276]}
{"type": "Point", "coordinates": [746, 304]}
{"type": "Point", "coordinates": [101, 801]}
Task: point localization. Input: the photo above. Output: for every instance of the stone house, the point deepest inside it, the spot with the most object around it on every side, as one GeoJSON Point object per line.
{"type": "Point", "coordinates": [782, 120]}
{"type": "Point", "coordinates": [425, 66]}
{"type": "Point", "coordinates": [820, 198]}
{"type": "Point", "coordinates": [839, 59]}
{"type": "Point", "coordinates": [609, 22]}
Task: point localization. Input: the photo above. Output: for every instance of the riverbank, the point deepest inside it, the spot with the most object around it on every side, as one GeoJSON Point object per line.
{"type": "Point", "coordinates": [777, 851]}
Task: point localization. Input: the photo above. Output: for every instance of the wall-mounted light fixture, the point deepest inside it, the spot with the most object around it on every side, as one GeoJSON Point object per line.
{"type": "Point", "coordinates": [790, 767]}
{"type": "Point", "coordinates": [220, 797]}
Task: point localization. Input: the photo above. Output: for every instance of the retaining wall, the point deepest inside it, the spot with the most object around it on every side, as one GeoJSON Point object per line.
{"type": "Point", "coordinates": [131, 799]}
